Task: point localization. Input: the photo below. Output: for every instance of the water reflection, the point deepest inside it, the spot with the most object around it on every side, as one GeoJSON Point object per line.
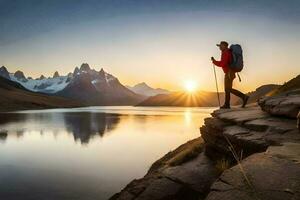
{"type": "Point", "coordinates": [82, 125]}
{"type": "Point", "coordinates": [87, 153]}
{"type": "Point", "coordinates": [87, 125]}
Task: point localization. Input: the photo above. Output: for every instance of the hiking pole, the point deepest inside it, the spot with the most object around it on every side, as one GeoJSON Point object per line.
{"type": "Point", "coordinates": [217, 85]}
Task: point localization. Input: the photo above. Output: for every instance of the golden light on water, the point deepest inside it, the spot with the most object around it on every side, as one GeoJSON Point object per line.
{"type": "Point", "coordinates": [190, 86]}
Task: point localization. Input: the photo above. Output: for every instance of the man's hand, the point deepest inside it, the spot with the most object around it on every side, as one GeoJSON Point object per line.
{"type": "Point", "coordinates": [212, 59]}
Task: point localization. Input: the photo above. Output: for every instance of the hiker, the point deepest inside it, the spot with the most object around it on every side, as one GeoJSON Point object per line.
{"type": "Point", "coordinates": [226, 60]}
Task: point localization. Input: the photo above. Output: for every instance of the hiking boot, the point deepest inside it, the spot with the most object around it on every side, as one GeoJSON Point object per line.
{"type": "Point", "coordinates": [225, 107]}
{"type": "Point", "coordinates": [245, 100]}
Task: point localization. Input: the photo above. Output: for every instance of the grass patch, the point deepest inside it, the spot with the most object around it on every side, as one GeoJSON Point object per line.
{"type": "Point", "coordinates": [190, 152]}
{"type": "Point", "coordinates": [222, 165]}
{"type": "Point", "coordinates": [181, 154]}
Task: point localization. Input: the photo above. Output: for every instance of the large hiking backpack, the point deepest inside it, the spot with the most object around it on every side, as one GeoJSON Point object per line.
{"type": "Point", "coordinates": [237, 62]}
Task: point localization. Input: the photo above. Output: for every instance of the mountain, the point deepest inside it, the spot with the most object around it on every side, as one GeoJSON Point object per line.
{"type": "Point", "coordinates": [197, 99]}
{"type": "Point", "coordinates": [4, 73]}
{"type": "Point", "coordinates": [42, 84]}
{"type": "Point", "coordinates": [84, 84]}
{"type": "Point", "coordinates": [19, 75]}
{"type": "Point", "coordinates": [16, 97]}
{"type": "Point", "coordinates": [261, 91]}
{"type": "Point", "coordinates": [292, 85]}
{"type": "Point", "coordinates": [56, 74]}
{"type": "Point", "coordinates": [98, 88]}
{"type": "Point", "coordinates": [146, 90]}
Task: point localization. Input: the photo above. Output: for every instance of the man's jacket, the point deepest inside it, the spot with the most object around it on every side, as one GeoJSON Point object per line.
{"type": "Point", "coordinates": [225, 60]}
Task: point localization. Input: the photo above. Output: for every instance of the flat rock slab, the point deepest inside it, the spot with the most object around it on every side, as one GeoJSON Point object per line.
{"type": "Point", "coordinates": [287, 150]}
{"type": "Point", "coordinates": [284, 105]}
{"type": "Point", "coordinates": [272, 124]}
{"type": "Point", "coordinates": [262, 176]}
{"type": "Point", "coordinates": [239, 115]}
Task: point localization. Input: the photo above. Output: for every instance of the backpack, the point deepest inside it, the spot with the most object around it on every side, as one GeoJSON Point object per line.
{"type": "Point", "coordinates": [237, 62]}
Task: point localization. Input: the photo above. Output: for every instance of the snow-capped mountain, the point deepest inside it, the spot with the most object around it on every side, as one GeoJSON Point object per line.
{"type": "Point", "coordinates": [84, 84]}
{"type": "Point", "coordinates": [146, 90]}
{"type": "Point", "coordinates": [98, 88]}
{"type": "Point", "coordinates": [42, 84]}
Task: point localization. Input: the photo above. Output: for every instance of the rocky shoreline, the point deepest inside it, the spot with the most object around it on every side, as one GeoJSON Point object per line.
{"type": "Point", "coordinates": [250, 153]}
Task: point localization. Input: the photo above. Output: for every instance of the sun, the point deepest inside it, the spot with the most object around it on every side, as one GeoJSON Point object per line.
{"type": "Point", "coordinates": [190, 86]}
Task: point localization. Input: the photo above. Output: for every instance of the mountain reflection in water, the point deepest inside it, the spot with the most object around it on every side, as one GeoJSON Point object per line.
{"type": "Point", "coordinates": [82, 125]}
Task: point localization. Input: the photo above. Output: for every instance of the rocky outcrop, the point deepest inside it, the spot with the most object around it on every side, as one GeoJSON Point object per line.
{"type": "Point", "coordinates": [188, 180]}
{"type": "Point", "coordinates": [258, 152]}
{"type": "Point", "coordinates": [283, 105]}
{"type": "Point", "coordinates": [266, 149]}
{"type": "Point", "coordinates": [260, 92]}
{"type": "Point", "coordinates": [248, 130]}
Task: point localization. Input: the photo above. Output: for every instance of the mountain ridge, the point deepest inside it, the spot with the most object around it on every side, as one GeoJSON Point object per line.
{"type": "Point", "coordinates": [144, 89]}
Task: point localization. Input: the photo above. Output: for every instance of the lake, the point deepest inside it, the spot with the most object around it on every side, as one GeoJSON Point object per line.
{"type": "Point", "coordinates": [87, 153]}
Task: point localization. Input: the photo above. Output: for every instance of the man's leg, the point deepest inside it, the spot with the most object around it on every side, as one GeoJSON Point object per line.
{"type": "Point", "coordinates": [227, 86]}
{"type": "Point", "coordinates": [238, 93]}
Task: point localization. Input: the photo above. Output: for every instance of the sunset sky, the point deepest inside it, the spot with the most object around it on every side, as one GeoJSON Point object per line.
{"type": "Point", "coordinates": [161, 42]}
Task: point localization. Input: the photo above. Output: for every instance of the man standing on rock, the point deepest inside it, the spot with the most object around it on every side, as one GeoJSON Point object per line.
{"type": "Point", "coordinates": [225, 61]}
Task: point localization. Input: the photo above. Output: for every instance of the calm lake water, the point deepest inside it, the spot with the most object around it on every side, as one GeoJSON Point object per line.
{"type": "Point", "coordinates": [87, 153]}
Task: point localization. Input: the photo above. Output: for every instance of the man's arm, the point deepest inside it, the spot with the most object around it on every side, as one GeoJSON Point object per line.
{"type": "Point", "coordinates": [224, 60]}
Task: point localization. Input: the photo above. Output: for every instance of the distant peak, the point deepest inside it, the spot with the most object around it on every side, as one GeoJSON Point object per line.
{"type": "Point", "coordinates": [56, 74]}
{"type": "Point", "coordinates": [42, 77]}
{"type": "Point", "coordinates": [76, 71]}
{"type": "Point", "coordinates": [143, 84]}
{"type": "Point", "coordinates": [85, 67]}
{"type": "Point", "coordinates": [102, 73]}
{"type": "Point", "coordinates": [19, 75]}
{"type": "Point", "coordinates": [3, 68]}
{"type": "Point", "coordinates": [4, 73]}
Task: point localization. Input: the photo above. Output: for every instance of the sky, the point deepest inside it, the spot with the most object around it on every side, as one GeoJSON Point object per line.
{"type": "Point", "coordinates": [161, 42]}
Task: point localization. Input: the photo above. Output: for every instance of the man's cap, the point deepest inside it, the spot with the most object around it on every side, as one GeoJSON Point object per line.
{"type": "Point", "coordinates": [223, 43]}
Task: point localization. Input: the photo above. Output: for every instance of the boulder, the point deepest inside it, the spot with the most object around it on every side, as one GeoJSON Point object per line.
{"type": "Point", "coordinates": [282, 105]}
{"type": "Point", "coordinates": [197, 174]}
{"type": "Point", "coordinates": [260, 176]}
